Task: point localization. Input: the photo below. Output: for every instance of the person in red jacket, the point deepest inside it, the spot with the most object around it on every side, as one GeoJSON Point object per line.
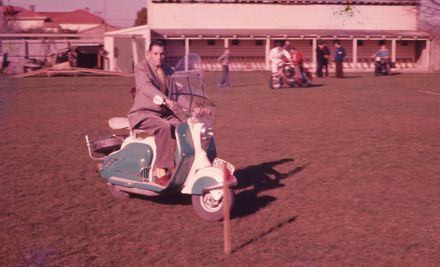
{"type": "Point", "coordinates": [297, 60]}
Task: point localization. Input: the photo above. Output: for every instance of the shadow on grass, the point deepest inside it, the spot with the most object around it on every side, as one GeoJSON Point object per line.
{"type": "Point", "coordinates": [251, 181]}
{"type": "Point", "coordinates": [313, 85]}
{"type": "Point", "coordinates": [265, 233]}
{"type": "Point", "coordinates": [346, 77]}
{"type": "Point", "coordinates": [391, 74]}
{"type": "Point", "coordinates": [255, 179]}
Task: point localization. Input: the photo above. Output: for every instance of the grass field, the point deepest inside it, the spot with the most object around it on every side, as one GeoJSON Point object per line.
{"type": "Point", "coordinates": [345, 173]}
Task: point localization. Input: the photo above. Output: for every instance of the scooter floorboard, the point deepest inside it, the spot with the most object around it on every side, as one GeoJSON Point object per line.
{"type": "Point", "coordinates": [128, 185]}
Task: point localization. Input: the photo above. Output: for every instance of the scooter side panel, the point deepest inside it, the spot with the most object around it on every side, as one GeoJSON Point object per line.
{"type": "Point", "coordinates": [128, 162]}
{"type": "Point", "coordinates": [186, 153]}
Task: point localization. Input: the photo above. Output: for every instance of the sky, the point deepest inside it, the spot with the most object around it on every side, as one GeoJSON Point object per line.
{"type": "Point", "coordinates": [115, 12]}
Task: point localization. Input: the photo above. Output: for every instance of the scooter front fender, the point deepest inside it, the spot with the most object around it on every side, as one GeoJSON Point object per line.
{"type": "Point", "coordinates": [208, 177]}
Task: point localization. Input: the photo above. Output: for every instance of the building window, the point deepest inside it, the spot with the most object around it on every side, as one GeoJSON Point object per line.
{"type": "Point", "coordinates": [235, 42]}
{"type": "Point", "coordinates": [259, 42]}
{"type": "Point", "coordinates": [360, 42]}
{"type": "Point", "coordinates": [403, 43]}
{"type": "Point", "coordinates": [211, 42]}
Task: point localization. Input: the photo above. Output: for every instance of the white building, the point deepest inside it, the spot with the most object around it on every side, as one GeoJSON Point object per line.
{"type": "Point", "coordinates": [249, 28]}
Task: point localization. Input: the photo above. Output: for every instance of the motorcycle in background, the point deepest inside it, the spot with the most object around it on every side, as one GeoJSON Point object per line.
{"type": "Point", "coordinates": [382, 66]}
{"type": "Point", "coordinates": [287, 76]}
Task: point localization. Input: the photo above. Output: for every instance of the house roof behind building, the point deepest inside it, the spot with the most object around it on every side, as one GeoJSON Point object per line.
{"type": "Point", "coordinates": [100, 29]}
{"type": "Point", "coordinates": [79, 16]}
{"type": "Point", "coordinates": [10, 9]}
{"type": "Point", "coordinates": [53, 15]}
{"type": "Point", "coordinates": [300, 2]}
{"type": "Point", "coordinates": [286, 34]}
{"type": "Point", "coordinates": [29, 14]}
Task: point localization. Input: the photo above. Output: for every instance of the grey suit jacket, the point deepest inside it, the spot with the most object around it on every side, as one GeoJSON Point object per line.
{"type": "Point", "coordinates": [147, 86]}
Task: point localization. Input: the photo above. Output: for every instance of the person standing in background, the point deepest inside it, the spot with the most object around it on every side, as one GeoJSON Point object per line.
{"type": "Point", "coordinates": [339, 59]}
{"type": "Point", "coordinates": [326, 57]}
{"type": "Point", "coordinates": [224, 60]}
{"type": "Point", "coordinates": [320, 59]}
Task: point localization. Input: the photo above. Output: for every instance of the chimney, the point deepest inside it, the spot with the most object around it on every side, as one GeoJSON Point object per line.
{"type": "Point", "coordinates": [32, 8]}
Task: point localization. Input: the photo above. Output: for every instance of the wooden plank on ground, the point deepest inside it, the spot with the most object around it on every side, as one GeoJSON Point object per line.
{"type": "Point", "coordinates": [77, 71]}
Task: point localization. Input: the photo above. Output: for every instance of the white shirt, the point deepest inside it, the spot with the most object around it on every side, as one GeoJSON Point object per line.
{"type": "Point", "coordinates": [276, 56]}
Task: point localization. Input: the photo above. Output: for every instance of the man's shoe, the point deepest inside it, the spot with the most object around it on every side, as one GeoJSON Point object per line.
{"type": "Point", "coordinates": [163, 180]}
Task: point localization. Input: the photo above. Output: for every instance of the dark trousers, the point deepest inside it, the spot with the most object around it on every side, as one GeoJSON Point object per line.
{"type": "Point", "coordinates": [339, 71]}
{"type": "Point", "coordinates": [321, 66]}
{"type": "Point", "coordinates": [225, 78]}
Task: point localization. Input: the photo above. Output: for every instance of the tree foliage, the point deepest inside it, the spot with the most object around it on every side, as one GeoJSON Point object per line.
{"type": "Point", "coordinates": [429, 16]}
{"type": "Point", "coordinates": [141, 17]}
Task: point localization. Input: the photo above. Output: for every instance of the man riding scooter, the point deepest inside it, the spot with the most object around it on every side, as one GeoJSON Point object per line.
{"type": "Point", "coordinates": [153, 78]}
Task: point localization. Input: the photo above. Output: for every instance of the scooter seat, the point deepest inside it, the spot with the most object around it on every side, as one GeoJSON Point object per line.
{"type": "Point", "coordinates": [118, 123]}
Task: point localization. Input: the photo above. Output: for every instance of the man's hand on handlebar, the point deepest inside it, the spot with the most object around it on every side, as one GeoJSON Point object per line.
{"type": "Point", "coordinates": [172, 105]}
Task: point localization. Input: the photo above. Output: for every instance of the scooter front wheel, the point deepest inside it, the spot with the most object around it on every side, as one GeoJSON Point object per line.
{"type": "Point", "coordinates": [210, 209]}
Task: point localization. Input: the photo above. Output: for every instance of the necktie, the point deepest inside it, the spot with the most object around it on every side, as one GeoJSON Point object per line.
{"type": "Point", "coordinates": [162, 80]}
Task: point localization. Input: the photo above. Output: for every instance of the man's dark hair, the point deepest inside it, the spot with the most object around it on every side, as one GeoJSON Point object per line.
{"type": "Point", "coordinates": [160, 43]}
{"type": "Point", "coordinates": [279, 43]}
{"type": "Point", "coordinates": [337, 42]}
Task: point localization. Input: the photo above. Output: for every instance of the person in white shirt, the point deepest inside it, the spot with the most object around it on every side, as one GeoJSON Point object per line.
{"type": "Point", "coordinates": [278, 55]}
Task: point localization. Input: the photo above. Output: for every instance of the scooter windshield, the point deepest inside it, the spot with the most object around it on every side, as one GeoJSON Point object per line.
{"type": "Point", "coordinates": [188, 90]}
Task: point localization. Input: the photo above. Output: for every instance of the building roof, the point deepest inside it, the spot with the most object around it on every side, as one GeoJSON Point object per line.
{"type": "Point", "coordinates": [52, 15]}
{"type": "Point", "coordinates": [300, 2]}
{"type": "Point", "coordinates": [100, 29]}
{"type": "Point", "coordinates": [79, 16]}
{"type": "Point", "coordinates": [286, 34]}
{"type": "Point", "coordinates": [29, 14]}
{"type": "Point", "coordinates": [10, 10]}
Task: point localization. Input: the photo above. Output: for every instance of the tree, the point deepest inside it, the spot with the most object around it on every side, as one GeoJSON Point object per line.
{"type": "Point", "coordinates": [429, 16]}
{"type": "Point", "coordinates": [141, 17]}
{"type": "Point", "coordinates": [429, 20]}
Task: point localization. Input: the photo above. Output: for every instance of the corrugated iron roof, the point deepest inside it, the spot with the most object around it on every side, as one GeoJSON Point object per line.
{"type": "Point", "coordinates": [286, 33]}
{"type": "Point", "coordinates": [300, 2]}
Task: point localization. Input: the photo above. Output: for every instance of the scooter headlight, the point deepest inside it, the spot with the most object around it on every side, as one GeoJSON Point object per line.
{"type": "Point", "coordinates": [206, 132]}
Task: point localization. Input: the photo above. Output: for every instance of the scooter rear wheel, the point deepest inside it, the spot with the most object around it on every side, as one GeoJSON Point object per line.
{"type": "Point", "coordinates": [210, 209]}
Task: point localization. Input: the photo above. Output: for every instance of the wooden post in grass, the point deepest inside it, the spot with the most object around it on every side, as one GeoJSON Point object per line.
{"type": "Point", "coordinates": [226, 214]}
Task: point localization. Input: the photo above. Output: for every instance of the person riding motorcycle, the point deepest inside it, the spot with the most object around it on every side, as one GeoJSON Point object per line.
{"type": "Point", "coordinates": [382, 58]}
{"type": "Point", "coordinates": [277, 56]}
{"type": "Point", "coordinates": [297, 60]}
